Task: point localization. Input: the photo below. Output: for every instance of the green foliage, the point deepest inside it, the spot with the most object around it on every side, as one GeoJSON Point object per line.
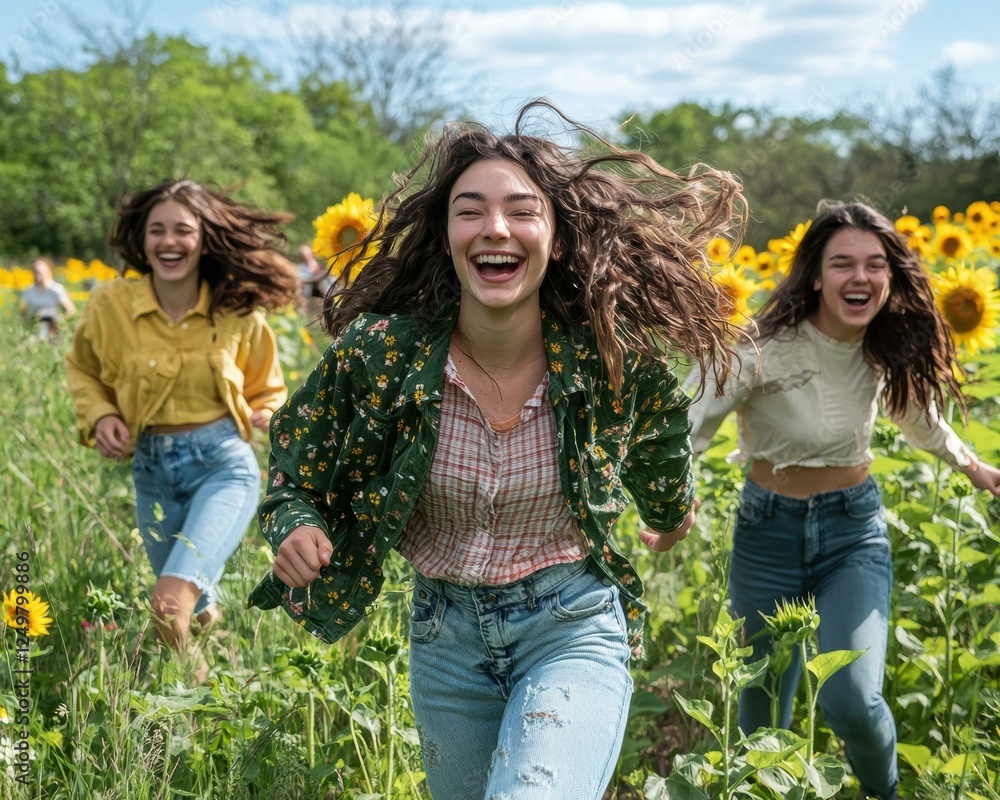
{"type": "Point", "coordinates": [74, 142]}
{"type": "Point", "coordinates": [282, 716]}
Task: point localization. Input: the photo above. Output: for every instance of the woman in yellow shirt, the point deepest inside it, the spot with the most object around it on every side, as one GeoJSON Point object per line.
{"type": "Point", "coordinates": [176, 370]}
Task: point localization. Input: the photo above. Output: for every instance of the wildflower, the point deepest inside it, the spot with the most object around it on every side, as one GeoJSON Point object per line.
{"type": "Point", "coordinates": [970, 303]}
{"type": "Point", "coordinates": [784, 249]}
{"type": "Point", "coordinates": [736, 290]}
{"type": "Point", "coordinates": [340, 231]}
{"type": "Point", "coordinates": [31, 614]}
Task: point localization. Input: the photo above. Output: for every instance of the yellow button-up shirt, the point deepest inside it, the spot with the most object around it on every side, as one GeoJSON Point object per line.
{"type": "Point", "coordinates": [130, 359]}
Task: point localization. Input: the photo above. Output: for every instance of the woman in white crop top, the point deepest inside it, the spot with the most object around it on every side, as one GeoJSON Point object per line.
{"type": "Point", "coordinates": [853, 326]}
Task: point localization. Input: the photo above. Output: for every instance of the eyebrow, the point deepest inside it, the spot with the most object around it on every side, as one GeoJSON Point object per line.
{"type": "Point", "coordinates": [848, 257]}
{"type": "Point", "coordinates": [479, 197]}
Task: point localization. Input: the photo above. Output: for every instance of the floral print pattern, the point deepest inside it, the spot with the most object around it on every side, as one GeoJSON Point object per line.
{"type": "Point", "coordinates": [352, 448]}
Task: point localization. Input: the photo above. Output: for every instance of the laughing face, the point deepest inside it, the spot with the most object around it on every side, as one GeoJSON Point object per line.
{"type": "Point", "coordinates": [173, 244]}
{"type": "Point", "coordinates": [501, 234]}
{"type": "Point", "coordinates": [853, 284]}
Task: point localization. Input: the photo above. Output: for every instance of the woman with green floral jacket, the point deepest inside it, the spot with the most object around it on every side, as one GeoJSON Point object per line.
{"type": "Point", "coordinates": [496, 392]}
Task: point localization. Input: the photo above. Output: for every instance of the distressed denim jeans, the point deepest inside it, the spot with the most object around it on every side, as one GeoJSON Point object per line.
{"type": "Point", "coordinates": [832, 546]}
{"type": "Point", "coordinates": [520, 692]}
{"type": "Point", "coordinates": [195, 494]}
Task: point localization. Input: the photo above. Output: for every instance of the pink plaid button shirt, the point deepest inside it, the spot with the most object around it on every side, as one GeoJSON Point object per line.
{"type": "Point", "coordinates": [492, 510]}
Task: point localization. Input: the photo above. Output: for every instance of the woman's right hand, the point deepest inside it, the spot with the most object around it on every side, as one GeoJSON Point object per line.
{"type": "Point", "coordinates": [301, 556]}
{"type": "Point", "coordinates": [111, 436]}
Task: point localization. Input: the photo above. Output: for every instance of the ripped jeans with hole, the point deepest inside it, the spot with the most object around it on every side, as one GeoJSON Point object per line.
{"type": "Point", "coordinates": [520, 692]}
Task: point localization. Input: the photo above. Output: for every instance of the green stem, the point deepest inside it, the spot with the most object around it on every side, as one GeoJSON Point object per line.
{"type": "Point", "coordinates": [390, 683]}
{"type": "Point", "coordinates": [311, 730]}
{"type": "Point", "coordinates": [361, 758]}
{"type": "Point", "coordinates": [810, 699]}
{"type": "Point", "coordinates": [726, 722]}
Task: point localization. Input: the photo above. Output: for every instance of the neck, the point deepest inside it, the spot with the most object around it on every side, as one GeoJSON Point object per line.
{"type": "Point", "coordinates": [501, 342]}
{"type": "Point", "coordinates": [176, 299]}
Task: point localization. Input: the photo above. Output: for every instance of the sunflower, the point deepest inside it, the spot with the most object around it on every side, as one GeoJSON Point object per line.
{"type": "Point", "coordinates": [718, 250]}
{"type": "Point", "coordinates": [766, 265]}
{"type": "Point", "coordinates": [907, 224]}
{"type": "Point", "coordinates": [32, 607]}
{"type": "Point", "coordinates": [970, 303]}
{"type": "Point", "coordinates": [951, 241]}
{"type": "Point", "coordinates": [980, 217]}
{"type": "Point", "coordinates": [339, 231]}
{"type": "Point", "coordinates": [784, 248]}
{"type": "Point", "coordinates": [746, 257]}
{"type": "Point", "coordinates": [941, 214]}
{"type": "Point", "coordinates": [736, 291]}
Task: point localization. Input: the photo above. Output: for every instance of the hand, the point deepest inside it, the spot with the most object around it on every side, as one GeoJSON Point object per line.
{"type": "Point", "coordinates": [111, 436]}
{"type": "Point", "coordinates": [261, 419]}
{"type": "Point", "coordinates": [300, 557]}
{"type": "Point", "coordinates": [984, 477]}
{"type": "Point", "coordinates": [661, 542]}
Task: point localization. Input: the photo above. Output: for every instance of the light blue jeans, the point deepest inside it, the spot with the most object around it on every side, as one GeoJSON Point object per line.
{"type": "Point", "coordinates": [520, 692]}
{"type": "Point", "coordinates": [195, 494]}
{"type": "Point", "coordinates": [832, 546]}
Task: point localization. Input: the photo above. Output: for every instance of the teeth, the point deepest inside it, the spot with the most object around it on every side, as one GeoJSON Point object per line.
{"type": "Point", "coordinates": [489, 259]}
{"type": "Point", "coordinates": [862, 297]}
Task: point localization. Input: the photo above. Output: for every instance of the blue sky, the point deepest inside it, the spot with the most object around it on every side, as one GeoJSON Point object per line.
{"type": "Point", "coordinates": [599, 58]}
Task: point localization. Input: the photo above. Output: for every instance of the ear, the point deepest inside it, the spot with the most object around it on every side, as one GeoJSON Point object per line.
{"type": "Point", "coordinates": [557, 250]}
{"type": "Point", "coordinates": [818, 284]}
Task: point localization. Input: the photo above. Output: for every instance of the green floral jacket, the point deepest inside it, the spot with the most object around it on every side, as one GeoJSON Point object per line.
{"type": "Point", "coordinates": [352, 447]}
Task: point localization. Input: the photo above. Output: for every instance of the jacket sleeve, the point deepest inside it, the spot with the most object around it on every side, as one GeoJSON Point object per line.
{"type": "Point", "coordinates": [263, 382]}
{"type": "Point", "coordinates": [307, 434]}
{"type": "Point", "coordinates": [657, 468]}
{"type": "Point", "coordinates": [92, 398]}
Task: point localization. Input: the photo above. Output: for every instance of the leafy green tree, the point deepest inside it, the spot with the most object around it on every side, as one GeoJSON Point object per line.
{"type": "Point", "coordinates": [76, 140]}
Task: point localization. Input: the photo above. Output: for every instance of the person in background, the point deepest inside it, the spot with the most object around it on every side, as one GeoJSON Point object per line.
{"type": "Point", "coordinates": [497, 382]}
{"type": "Point", "coordinates": [176, 370]}
{"type": "Point", "coordinates": [316, 281]}
{"type": "Point", "coordinates": [852, 328]}
{"type": "Point", "coordinates": [45, 302]}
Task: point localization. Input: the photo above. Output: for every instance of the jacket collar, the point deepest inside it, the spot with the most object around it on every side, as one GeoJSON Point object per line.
{"type": "Point", "coordinates": [144, 299]}
{"type": "Point", "coordinates": [570, 353]}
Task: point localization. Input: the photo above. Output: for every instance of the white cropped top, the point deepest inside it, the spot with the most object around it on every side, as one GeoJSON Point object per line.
{"type": "Point", "coordinates": [805, 399]}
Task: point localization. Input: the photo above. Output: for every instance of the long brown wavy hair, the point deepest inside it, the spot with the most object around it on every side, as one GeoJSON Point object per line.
{"type": "Point", "coordinates": [907, 341]}
{"type": "Point", "coordinates": [631, 234]}
{"type": "Point", "coordinates": [242, 263]}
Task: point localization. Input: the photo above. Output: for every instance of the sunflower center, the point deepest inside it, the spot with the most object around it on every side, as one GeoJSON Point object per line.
{"type": "Point", "coordinates": [348, 236]}
{"type": "Point", "coordinates": [964, 309]}
{"type": "Point", "coordinates": [950, 245]}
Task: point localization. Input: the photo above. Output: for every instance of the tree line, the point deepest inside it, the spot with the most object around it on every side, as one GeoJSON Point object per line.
{"type": "Point", "coordinates": [73, 140]}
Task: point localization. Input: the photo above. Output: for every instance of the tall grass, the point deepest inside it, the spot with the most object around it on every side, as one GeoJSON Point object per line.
{"type": "Point", "coordinates": [113, 715]}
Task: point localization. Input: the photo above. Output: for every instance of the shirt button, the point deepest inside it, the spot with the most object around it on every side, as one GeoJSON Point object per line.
{"type": "Point", "coordinates": [184, 326]}
{"type": "Point", "coordinates": [152, 362]}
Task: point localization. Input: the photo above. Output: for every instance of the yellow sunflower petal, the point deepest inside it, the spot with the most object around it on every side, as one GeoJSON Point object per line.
{"type": "Point", "coordinates": [970, 303]}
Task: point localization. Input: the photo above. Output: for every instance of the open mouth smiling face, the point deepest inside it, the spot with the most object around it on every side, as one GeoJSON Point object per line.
{"type": "Point", "coordinates": [500, 234]}
{"type": "Point", "coordinates": [854, 284]}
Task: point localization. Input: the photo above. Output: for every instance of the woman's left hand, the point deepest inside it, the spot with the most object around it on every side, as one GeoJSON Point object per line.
{"type": "Point", "coordinates": [984, 477]}
{"type": "Point", "coordinates": [661, 542]}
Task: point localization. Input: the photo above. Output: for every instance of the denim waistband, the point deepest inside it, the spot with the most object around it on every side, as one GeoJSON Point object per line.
{"type": "Point", "coordinates": [206, 434]}
{"type": "Point", "coordinates": [525, 590]}
{"type": "Point", "coordinates": [864, 493]}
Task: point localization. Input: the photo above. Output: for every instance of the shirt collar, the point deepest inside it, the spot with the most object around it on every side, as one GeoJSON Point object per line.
{"type": "Point", "coordinates": [144, 301]}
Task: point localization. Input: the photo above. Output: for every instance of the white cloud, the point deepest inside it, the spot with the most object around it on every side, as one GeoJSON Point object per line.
{"type": "Point", "coordinates": [963, 52]}
{"type": "Point", "coordinates": [609, 56]}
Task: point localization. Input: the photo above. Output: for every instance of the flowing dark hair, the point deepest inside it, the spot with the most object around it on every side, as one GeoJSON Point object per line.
{"type": "Point", "coordinates": [631, 238]}
{"type": "Point", "coordinates": [241, 263]}
{"type": "Point", "coordinates": [907, 341]}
